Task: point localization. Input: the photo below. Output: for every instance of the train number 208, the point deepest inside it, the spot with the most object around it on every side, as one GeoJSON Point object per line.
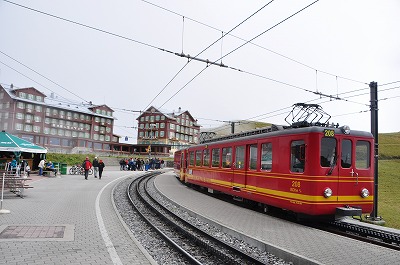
{"type": "Point", "coordinates": [295, 186]}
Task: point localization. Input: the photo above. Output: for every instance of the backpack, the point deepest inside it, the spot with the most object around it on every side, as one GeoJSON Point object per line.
{"type": "Point", "coordinates": [86, 165]}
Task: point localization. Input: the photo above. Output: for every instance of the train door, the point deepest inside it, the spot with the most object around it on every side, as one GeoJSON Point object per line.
{"type": "Point", "coordinates": [239, 168]}
{"type": "Point", "coordinates": [355, 161]}
{"type": "Point", "coordinates": [183, 164]}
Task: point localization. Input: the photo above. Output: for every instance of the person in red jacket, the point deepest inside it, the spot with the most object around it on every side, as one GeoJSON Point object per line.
{"type": "Point", "coordinates": [86, 166]}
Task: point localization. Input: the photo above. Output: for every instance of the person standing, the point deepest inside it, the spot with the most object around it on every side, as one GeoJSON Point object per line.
{"type": "Point", "coordinates": [95, 164]}
{"type": "Point", "coordinates": [101, 167]}
{"type": "Point", "coordinates": [86, 166]}
{"type": "Point", "coordinates": [41, 166]}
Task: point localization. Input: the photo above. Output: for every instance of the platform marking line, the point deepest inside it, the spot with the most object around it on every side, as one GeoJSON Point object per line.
{"type": "Point", "coordinates": [109, 245]}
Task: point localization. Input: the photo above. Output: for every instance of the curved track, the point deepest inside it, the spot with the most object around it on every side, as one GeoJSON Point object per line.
{"type": "Point", "coordinates": [195, 245]}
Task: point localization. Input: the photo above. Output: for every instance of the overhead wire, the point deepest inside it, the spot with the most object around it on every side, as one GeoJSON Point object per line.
{"type": "Point", "coordinates": [240, 46]}
{"type": "Point", "coordinates": [148, 105]}
{"type": "Point", "coordinates": [36, 72]}
{"type": "Point", "coordinates": [171, 51]}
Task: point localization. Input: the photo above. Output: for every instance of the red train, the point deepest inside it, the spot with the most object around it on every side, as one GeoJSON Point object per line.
{"type": "Point", "coordinates": [309, 168]}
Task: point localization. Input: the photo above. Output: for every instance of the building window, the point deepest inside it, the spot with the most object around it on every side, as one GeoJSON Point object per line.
{"type": "Point", "coordinates": [36, 129]}
{"type": "Point", "coordinates": [162, 118]}
{"type": "Point", "coordinates": [162, 125]}
{"type": "Point", "coordinates": [30, 96]}
{"type": "Point", "coordinates": [39, 98]}
{"type": "Point", "coordinates": [28, 128]}
{"type": "Point", "coordinates": [54, 141]}
{"type": "Point", "coordinates": [161, 134]}
{"type": "Point", "coordinates": [20, 105]}
{"type": "Point", "coordinates": [22, 95]}
{"type": "Point", "coordinates": [69, 115]}
{"type": "Point", "coordinates": [55, 112]}
{"type": "Point", "coordinates": [38, 108]}
{"type": "Point", "coordinates": [19, 116]}
{"type": "Point", "coordinates": [172, 126]}
{"type": "Point", "coordinates": [46, 130]}
{"type": "Point", "coordinates": [18, 126]}
{"type": "Point", "coordinates": [95, 136]}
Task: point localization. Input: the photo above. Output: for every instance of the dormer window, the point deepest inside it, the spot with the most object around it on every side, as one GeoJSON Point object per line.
{"type": "Point", "coordinates": [39, 98]}
{"type": "Point", "coordinates": [22, 94]}
{"type": "Point", "coordinates": [30, 96]}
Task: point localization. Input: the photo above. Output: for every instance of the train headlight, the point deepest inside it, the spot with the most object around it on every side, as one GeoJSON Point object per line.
{"type": "Point", "coordinates": [327, 193]}
{"type": "Point", "coordinates": [364, 193]}
{"type": "Point", "coordinates": [345, 129]}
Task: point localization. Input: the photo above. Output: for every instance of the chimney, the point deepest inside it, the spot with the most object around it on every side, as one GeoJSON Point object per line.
{"type": "Point", "coordinates": [179, 109]}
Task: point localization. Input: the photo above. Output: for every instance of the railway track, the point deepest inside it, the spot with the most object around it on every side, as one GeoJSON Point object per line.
{"type": "Point", "coordinates": [360, 232]}
{"type": "Point", "coordinates": [196, 246]}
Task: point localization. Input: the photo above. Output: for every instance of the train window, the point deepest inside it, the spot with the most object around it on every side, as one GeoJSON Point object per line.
{"type": "Point", "coordinates": [346, 157]}
{"type": "Point", "coordinates": [363, 151]}
{"type": "Point", "coordinates": [297, 156]}
{"type": "Point", "coordinates": [239, 157]}
{"type": "Point", "coordinates": [266, 156]}
{"type": "Point", "coordinates": [206, 157]}
{"type": "Point", "coordinates": [198, 158]}
{"type": "Point", "coordinates": [215, 157]}
{"type": "Point", "coordinates": [253, 156]}
{"type": "Point", "coordinates": [328, 152]}
{"type": "Point", "coordinates": [226, 157]}
{"type": "Point", "coordinates": [191, 158]}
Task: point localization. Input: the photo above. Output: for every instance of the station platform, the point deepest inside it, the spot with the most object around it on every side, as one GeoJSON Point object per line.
{"type": "Point", "coordinates": [68, 220]}
{"type": "Point", "coordinates": [289, 241]}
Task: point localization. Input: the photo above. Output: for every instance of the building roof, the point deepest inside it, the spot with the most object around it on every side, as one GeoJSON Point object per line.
{"type": "Point", "coordinates": [170, 115]}
{"type": "Point", "coordinates": [57, 102]}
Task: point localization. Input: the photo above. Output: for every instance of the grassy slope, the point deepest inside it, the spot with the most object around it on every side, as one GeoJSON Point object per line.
{"type": "Point", "coordinates": [389, 179]}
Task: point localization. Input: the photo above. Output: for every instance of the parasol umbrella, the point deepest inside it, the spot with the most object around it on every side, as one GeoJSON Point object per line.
{"type": "Point", "coordinates": [12, 143]}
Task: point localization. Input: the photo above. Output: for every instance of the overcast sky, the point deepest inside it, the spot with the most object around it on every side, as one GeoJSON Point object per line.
{"type": "Point", "coordinates": [121, 53]}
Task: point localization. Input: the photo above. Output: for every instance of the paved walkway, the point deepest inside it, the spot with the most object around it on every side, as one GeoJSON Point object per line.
{"type": "Point", "coordinates": [68, 220]}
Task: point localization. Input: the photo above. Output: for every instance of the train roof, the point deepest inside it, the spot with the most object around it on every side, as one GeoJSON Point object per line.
{"type": "Point", "coordinates": [278, 130]}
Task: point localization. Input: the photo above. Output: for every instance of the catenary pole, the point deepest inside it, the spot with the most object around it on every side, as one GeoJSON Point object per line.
{"type": "Point", "coordinates": [374, 130]}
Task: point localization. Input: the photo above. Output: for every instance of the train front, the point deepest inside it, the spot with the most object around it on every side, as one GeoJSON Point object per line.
{"type": "Point", "coordinates": [347, 164]}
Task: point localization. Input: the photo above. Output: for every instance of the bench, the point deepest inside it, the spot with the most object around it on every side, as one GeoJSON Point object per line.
{"type": "Point", "coordinates": [48, 172]}
{"type": "Point", "coordinates": [15, 184]}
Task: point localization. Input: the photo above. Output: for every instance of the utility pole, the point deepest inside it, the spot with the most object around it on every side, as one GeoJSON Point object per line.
{"type": "Point", "coordinates": [374, 130]}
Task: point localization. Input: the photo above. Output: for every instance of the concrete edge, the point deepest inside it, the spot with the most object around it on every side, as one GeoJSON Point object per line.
{"type": "Point", "coordinates": [141, 248]}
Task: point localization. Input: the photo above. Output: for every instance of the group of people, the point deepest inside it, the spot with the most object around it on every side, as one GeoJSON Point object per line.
{"type": "Point", "coordinates": [140, 164]}
{"type": "Point", "coordinates": [46, 166]}
{"type": "Point", "coordinates": [97, 165]}
{"type": "Point", "coordinates": [18, 168]}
